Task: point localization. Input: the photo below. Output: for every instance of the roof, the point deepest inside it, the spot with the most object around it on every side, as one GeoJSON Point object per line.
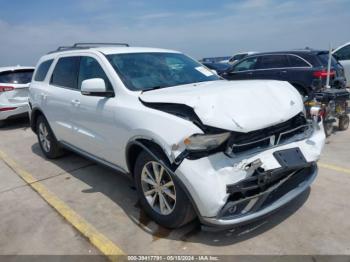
{"type": "Point", "coordinates": [14, 68]}
{"type": "Point", "coordinates": [107, 50]}
{"type": "Point", "coordinates": [302, 51]}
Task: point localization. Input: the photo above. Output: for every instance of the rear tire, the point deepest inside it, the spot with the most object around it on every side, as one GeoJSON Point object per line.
{"type": "Point", "coordinates": [2, 123]}
{"type": "Point", "coordinates": [343, 122]}
{"type": "Point", "coordinates": [164, 200]}
{"type": "Point", "coordinates": [47, 141]}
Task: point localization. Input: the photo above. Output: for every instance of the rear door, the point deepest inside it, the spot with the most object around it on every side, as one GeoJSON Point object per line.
{"type": "Point", "coordinates": [343, 55]}
{"type": "Point", "coordinates": [272, 66]}
{"type": "Point", "coordinates": [59, 98]}
{"type": "Point", "coordinates": [18, 81]}
{"type": "Point", "coordinates": [243, 70]}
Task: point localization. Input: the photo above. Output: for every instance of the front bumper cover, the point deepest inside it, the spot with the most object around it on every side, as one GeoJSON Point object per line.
{"type": "Point", "coordinates": [251, 208]}
{"type": "Point", "coordinates": [208, 180]}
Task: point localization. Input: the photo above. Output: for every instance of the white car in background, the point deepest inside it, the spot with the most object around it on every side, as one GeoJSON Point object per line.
{"type": "Point", "coordinates": [14, 91]}
{"type": "Point", "coordinates": [342, 54]}
{"type": "Point", "coordinates": [196, 145]}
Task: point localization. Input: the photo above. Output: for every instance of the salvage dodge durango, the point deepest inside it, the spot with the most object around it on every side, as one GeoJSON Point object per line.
{"type": "Point", "coordinates": [196, 145]}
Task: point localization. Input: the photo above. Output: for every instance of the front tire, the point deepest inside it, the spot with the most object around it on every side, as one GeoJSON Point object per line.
{"type": "Point", "coordinates": [47, 141]}
{"type": "Point", "coordinates": [160, 194]}
{"type": "Point", "coordinates": [2, 123]}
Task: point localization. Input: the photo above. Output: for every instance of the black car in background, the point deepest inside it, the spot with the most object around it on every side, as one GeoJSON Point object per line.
{"type": "Point", "coordinates": [306, 70]}
{"type": "Point", "coordinates": [220, 68]}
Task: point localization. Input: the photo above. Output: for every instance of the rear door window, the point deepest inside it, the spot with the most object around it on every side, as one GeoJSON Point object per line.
{"type": "Point", "coordinates": [90, 68]}
{"type": "Point", "coordinates": [17, 77]}
{"type": "Point", "coordinates": [42, 70]}
{"type": "Point", "coordinates": [272, 62]}
{"type": "Point", "coordinates": [66, 71]}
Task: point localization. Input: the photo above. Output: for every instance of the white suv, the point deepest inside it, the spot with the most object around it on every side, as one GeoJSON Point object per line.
{"type": "Point", "coordinates": [195, 144]}
{"type": "Point", "coordinates": [14, 85]}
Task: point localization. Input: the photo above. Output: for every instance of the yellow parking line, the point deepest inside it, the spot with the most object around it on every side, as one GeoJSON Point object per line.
{"type": "Point", "coordinates": [335, 168]}
{"type": "Point", "coordinates": [101, 242]}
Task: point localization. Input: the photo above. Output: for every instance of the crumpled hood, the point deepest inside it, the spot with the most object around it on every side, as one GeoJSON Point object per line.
{"type": "Point", "coordinates": [241, 106]}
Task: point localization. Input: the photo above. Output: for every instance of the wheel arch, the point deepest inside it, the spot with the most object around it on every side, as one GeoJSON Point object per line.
{"type": "Point", "coordinates": [36, 112]}
{"type": "Point", "coordinates": [135, 147]}
{"type": "Point", "coordinates": [152, 147]}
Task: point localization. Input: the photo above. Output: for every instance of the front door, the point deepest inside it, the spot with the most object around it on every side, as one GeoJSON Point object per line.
{"type": "Point", "coordinates": [94, 117]}
{"type": "Point", "coordinates": [243, 70]}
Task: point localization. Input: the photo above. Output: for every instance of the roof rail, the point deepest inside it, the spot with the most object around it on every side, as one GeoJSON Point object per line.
{"type": "Point", "coordinates": [86, 46]}
{"type": "Point", "coordinates": [98, 44]}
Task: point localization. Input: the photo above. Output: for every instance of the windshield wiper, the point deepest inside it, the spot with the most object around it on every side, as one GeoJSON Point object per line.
{"type": "Point", "coordinates": [153, 88]}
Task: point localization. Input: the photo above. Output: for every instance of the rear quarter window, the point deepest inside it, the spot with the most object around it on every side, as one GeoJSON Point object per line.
{"type": "Point", "coordinates": [295, 61]}
{"type": "Point", "coordinates": [23, 76]}
{"type": "Point", "coordinates": [42, 70]}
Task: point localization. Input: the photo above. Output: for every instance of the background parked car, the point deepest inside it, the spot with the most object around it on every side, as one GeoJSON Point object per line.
{"type": "Point", "coordinates": [239, 56]}
{"type": "Point", "coordinates": [220, 68]}
{"type": "Point", "coordinates": [342, 54]}
{"type": "Point", "coordinates": [14, 85]}
{"type": "Point", "coordinates": [306, 70]}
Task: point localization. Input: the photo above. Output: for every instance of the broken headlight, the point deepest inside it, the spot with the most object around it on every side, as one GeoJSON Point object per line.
{"type": "Point", "coordinates": [200, 142]}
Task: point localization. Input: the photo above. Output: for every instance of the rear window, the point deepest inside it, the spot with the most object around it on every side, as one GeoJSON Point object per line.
{"type": "Point", "coordinates": [17, 77]}
{"type": "Point", "coordinates": [42, 70]}
{"type": "Point", "coordinates": [324, 59]}
{"type": "Point", "coordinates": [65, 73]}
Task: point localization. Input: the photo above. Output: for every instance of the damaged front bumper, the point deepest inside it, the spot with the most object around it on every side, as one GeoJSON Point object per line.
{"type": "Point", "coordinates": [254, 207]}
{"type": "Point", "coordinates": [227, 193]}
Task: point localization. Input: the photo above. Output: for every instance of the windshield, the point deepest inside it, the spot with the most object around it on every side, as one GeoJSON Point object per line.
{"type": "Point", "coordinates": [146, 71]}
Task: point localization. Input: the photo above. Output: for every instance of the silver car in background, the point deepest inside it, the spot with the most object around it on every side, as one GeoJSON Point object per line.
{"type": "Point", "coordinates": [14, 91]}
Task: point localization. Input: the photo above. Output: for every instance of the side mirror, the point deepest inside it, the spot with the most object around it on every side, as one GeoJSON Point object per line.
{"type": "Point", "coordinates": [95, 87]}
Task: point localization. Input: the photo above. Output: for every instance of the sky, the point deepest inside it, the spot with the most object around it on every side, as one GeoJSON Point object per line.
{"type": "Point", "coordinates": [199, 28]}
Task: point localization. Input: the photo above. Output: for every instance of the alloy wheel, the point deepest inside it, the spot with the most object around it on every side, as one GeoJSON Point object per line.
{"type": "Point", "coordinates": [43, 136]}
{"type": "Point", "coordinates": [158, 188]}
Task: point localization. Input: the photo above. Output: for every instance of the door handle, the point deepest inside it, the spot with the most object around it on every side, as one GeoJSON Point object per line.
{"type": "Point", "coordinates": [75, 102]}
{"type": "Point", "coordinates": [250, 73]}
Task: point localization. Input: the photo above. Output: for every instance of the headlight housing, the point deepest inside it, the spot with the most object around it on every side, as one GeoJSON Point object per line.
{"type": "Point", "coordinates": [200, 142]}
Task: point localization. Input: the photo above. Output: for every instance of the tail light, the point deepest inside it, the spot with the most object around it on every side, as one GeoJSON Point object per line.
{"type": "Point", "coordinates": [323, 73]}
{"type": "Point", "coordinates": [6, 88]}
{"type": "Point", "coordinates": [2, 109]}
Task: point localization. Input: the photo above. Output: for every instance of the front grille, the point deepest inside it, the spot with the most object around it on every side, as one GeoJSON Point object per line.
{"type": "Point", "coordinates": [277, 134]}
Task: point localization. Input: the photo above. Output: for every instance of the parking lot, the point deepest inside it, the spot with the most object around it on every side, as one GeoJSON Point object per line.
{"type": "Point", "coordinates": [97, 203]}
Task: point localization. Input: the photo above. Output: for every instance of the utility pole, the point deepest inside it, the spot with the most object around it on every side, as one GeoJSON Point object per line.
{"type": "Point", "coordinates": [329, 66]}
